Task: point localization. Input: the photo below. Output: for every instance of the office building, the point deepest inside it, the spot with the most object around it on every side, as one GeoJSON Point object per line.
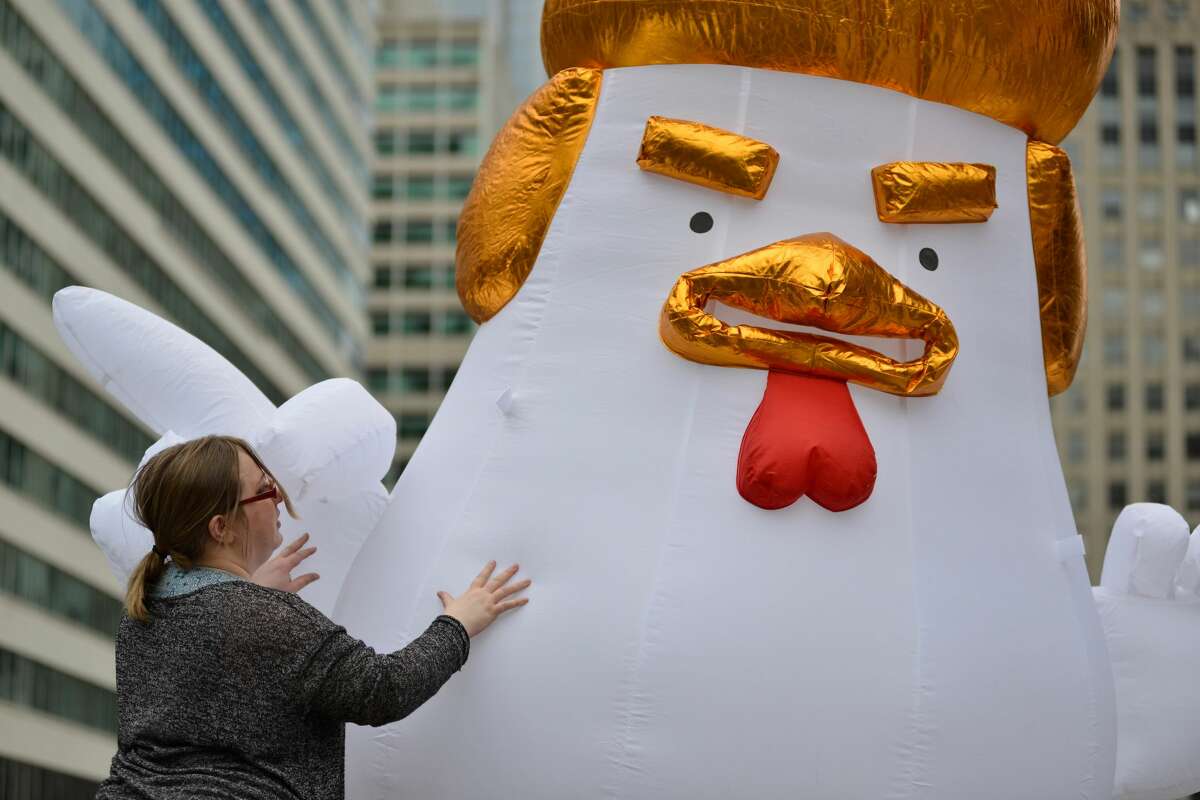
{"type": "Point", "coordinates": [1129, 428]}
{"type": "Point", "coordinates": [208, 161]}
{"type": "Point", "coordinates": [443, 90]}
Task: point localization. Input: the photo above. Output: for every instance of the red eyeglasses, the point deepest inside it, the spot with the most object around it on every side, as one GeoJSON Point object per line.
{"type": "Point", "coordinates": [272, 493]}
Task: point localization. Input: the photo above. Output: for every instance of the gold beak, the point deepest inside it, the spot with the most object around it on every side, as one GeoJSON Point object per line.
{"type": "Point", "coordinates": [820, 281]}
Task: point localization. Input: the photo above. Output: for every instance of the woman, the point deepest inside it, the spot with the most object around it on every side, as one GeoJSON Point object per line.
{"type": "Point", "coordinates": [228, 684]}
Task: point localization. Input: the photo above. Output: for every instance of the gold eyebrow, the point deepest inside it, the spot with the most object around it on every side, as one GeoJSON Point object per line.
{"type": "Point", "coordinates": [934, 191]}
{"type": "Point", "coordinates": [707, 156]}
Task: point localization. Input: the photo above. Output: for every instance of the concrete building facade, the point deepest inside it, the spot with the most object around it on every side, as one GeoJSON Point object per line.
{"type": "Point", "coordinates": [1129, 428]}
{"type": "Point", "coordinates": [207, 161]}
{"type": "Point", "coordinates": [442, 91]}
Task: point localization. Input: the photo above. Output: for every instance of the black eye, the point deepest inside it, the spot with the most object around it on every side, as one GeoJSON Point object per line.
{"type": "Point", "coordinates": [702, 222]}
{"type": "Point", "coordinates": [929, 258]}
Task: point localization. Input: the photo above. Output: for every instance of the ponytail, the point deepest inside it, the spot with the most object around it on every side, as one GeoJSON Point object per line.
{"type": "Point", "coordinates": [145, 575]}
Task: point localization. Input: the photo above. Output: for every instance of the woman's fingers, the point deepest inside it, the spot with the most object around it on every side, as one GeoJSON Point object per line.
{"type": "Point", "coordinates": [445, 598]}
{"type": "Point", "coordinates": [294, 559]}
{"type": "Point", "coordinates": [295, 545]}
{"type": "Point", "coordinates": [508, 605]}
{"type": "Point", "coordinates": [503, 578]}
{"type": "Point", "coordinates": [484, 574]}
{"type": "Point", "coordinates": [304, 580]}
{"type": "Point", "coordinates": [505, 591]}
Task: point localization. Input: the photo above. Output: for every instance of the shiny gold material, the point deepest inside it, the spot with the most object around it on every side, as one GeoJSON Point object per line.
{"type": "Point", "coordinates": [706, 156]}
{"type": "Point", "coordinates": [816, 280]}
{"type": "Point", "coordinates": [1058, 252]}
{"type": "Point", "coordinates": [518, 188]}
{"type": "Point", "coordinates": [929, 191]}
{"type": "Point", "coordinates": [1031, 64]}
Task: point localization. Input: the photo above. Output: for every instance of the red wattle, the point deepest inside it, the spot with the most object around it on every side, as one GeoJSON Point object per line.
{"type": "Point", "coordinates": [806, 438]}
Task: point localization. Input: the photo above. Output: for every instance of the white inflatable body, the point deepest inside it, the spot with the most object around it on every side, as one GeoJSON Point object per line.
{"type": "Point", "coordinates": [938, 641]}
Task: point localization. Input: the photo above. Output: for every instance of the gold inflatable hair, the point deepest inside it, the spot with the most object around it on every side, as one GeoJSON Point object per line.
{"type": "Point", "coordinates": [991, 58]}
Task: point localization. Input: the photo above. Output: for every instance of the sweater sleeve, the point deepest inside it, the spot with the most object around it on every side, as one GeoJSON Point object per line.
{"type": "Point", "coordinates": [346, 680]}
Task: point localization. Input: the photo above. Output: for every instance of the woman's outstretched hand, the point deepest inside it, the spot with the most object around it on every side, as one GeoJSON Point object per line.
{"type": "Point", "coordinates": [277, 573]}
{"type": "Point", "coordinates": [485, 599]}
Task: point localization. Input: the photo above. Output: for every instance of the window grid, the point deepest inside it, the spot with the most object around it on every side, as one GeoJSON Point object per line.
{"type": "Point", "coordinates": [34, 685]}
{"type": "Point", "coordinates": [35, 372]}
{"type": "Point", "coordinates": [45, 484]}
{"type": "Point", "coordinates": [40, 168]}
{"type": "Point", "coordinates": [283, 43]}
{"type": "Point", "coordinates": [21, 781]}
{"type": "Point", "coordinates": [192, 66]}
{"type": "Point", "coordinates": [331, 54]}
{"type": "Point", "coordinates": [291, 128]}
{"type": "Point", "coordinates": [54, 79]}
{"type": "Point", "coordinates": [63, 595]}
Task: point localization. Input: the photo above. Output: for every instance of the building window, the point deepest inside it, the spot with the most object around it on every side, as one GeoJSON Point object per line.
{"type": "Point", "coordinates": [1076, 446]}
{"type": "Point", "coordinates": [1155, 397]}
{"type": "Point", "coordinates": [456, 323]}
{"type": "Point", "coordinates": [1118, 495]}
{"type": "Point", "coordinates": [462, 141]}
{"type": "Point", "coordinates": [1154, 349]}
{"type": "Point", "coordinates": [34, 685]}
{"type": "Point", "coordinates": [1156, 491]}
{"type": "Point", "coordinates": [414, 380]}
{"type": "Point", "coordinates": [20, 781]}
{"type": "Point", "coordinates": [1110, 86]}
{"type": "Point", "coordinates": [1193, 495]}
{"type": "Point", "coordinates": [412, 425]}
{"type": "Point", "coordinates": [464, 52]}
{"type": "Point", "coordinates": [418, 231]}
{"type": "Point", "coordinates": [1115, 301]}
{"type": "Point", "coordinates": [1185, 67]}
{"type": "Point", "coordinates": [1114, 349]}
{"type": "Point", "coordinates": [416, 323]}
{"type": "Point", "coordinates": [1191, 348]}
{"type": "Point", "coordinates": [43, 483]}
{"type": "Point", "coordinates": [1117, 446]}
{"type": "Point", "coordinates": [383, 232]}
{"type": "Point", "coordinates": [447, 375]}
{"type": "Point", "coordinates": [1113, 253]}
{"type": "Point", "coordinates": [381, 323]}
{"type": "Point", "coordinates": [1110, 204]}
{"type": "Point", "coordinates": [1147, 74]}
{"type": "Point", "coordinates": [63, 595]}
{"type": "Point", "coordinates": [1156, 446]}
{"type": "Point", "coordinates": [418, 276]}
{"type": "Point", "coordinates": [1077, 491]}
{"type": "Point", "coordinates": [1150, 253]}
{"type": "Point", "coordinates": [1189, 253]}
{"type": "Point", "coordinates": [1189, 205]}
{"type": "Point", "coordinates": [377, 380]}
{"type": "Point", "coordinates": [383, 186]}
{"type": "Point", "coordinates": [459, 186]}
{"type": "Point", "coordinates": [1177, 10]}
{"type": "Point", "coordinates": [461, 97]}
{"type": "Point", "coordinates": [383, 277]}
{"type": "Point", "coordinates": [419, 187]}
{"type": "Point", "coordinates": [1192, 443]}
{"type": "Point", "coordinates": [1191, 397]}
{"type": "Point", "coordinates": [421, 142]}
{"type": "Point", "coordinates": [1150, 204]}
{"type": "Point", "coordinates": [1114, 397]}
{"type": "Point", "coordinates": [33, 371]}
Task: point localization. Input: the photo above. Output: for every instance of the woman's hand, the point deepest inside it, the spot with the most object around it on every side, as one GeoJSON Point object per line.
{"type": "Point", "coordinates": [485, 600]}
{"type": "Point", "coordinates": [277, 573]}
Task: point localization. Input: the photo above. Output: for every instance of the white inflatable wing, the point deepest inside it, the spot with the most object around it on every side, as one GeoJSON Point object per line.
{"type": "Point", "coordinates": [168, 378]}
{"type": "Point", "coordinates": [1151, 616]}
{"type": "Point", "coordinates": [329, 446]}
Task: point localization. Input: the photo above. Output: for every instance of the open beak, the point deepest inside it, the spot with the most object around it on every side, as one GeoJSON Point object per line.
{"type": "Point", "coordinates": [807, 437]}
{"type": "Point", "coordinates": [820, 281]}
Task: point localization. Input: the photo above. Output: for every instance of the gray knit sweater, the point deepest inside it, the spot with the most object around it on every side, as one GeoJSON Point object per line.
{"type": "Point", "coordinates": [238, 691]}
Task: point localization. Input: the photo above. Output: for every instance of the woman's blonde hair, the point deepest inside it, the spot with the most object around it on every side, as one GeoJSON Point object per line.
{"type": "Point", "coordinates": [175, 494]}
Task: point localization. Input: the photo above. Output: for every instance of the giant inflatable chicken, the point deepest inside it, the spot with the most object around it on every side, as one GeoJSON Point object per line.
{"type": "Point", "coordinates": [772, 296]}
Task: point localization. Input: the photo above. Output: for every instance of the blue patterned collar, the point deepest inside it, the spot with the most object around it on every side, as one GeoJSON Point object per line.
{"type": "Point", "coordinates": [176, 581]}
